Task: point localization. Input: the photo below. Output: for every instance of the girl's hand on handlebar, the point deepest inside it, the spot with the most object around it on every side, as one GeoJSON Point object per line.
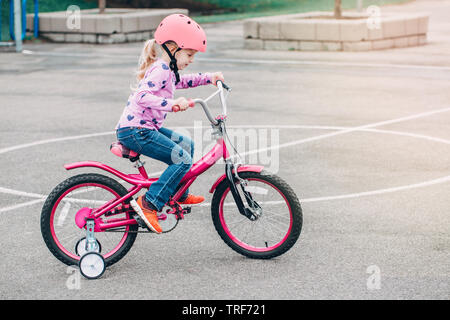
{"type": "Point", "coordinates": [181, 104]}
{"type": "Point", "coordinates": [216, 76]}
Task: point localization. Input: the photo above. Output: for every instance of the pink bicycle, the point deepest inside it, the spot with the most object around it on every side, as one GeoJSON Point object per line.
{"type": "Point", "coordinates": [89, 219]}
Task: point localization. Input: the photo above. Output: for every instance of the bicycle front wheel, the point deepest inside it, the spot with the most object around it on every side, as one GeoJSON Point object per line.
{"type": "Point", "coordinates": [278, 219]}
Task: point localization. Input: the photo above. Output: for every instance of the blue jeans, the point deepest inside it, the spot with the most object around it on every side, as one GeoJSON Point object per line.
{"type": "Point", "coordinates": [164, 145]}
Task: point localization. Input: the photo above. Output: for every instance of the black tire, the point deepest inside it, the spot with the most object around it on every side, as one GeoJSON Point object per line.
{"type": "Point", "coordinates": [84, 239]}
{"type": "Point", "coordinates": [102, 264]}
{"type": "Point", "coordinates": [52, 200]}
{"type": "Point", "coordinates": [292, 201]}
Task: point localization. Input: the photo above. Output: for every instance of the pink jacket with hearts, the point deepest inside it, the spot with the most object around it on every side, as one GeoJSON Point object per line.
{"type": "Point", "coordinates": [147, 107]}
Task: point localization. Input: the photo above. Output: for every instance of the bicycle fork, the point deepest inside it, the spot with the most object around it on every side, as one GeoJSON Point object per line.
{"type": "Point", "coordinates": [252, 213]}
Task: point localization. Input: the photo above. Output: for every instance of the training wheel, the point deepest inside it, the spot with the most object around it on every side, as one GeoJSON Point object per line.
{"type": "Point", "coordinates": [92, 265]}
{"type": "Point", "coordinates": [80, 247]}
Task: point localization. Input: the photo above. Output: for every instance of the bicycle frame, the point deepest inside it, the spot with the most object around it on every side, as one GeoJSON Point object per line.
{"type": "Point", "coordinates": [141, 180]}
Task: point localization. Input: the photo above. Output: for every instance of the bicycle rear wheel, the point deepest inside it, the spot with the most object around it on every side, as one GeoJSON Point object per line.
{"type": "Point", "coordinates": [278, 221]}
{"type": "Point", "coordinates": [83, 192]}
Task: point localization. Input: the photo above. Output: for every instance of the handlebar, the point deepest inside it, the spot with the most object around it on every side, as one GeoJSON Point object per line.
{"type": "Point", "coordinates": [224, 85]}
{"type": "Point", "coordinates": [176, 108]}
{"type": "Point", "coordinates": [220, 85]}
{"type": "Point", "coordinates": [207, 112]}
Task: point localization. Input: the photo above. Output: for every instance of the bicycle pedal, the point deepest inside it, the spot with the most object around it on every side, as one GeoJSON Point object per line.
{"type": "Point", "coordinates": [140, 222]}
{"type": "Point", "coordinates": [180, 214]}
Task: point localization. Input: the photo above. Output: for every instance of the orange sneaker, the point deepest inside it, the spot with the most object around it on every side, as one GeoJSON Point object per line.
{"type": "Point", "coordinates": [148, 215]}
{"type": "Point", "coordinates": [191, 199]}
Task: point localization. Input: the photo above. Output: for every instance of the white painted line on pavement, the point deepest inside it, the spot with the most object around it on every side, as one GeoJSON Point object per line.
{"type": "Point", "coordinates": [35, 143]}
{"type": "Point", "coordinates": [250, 61]}
{"type": "Point", "coordinates": [301, 141]}
{"type": "Point", "coordinates": [325, 63]}
{"type": "Point", "coordinates": [351, 129]}
{"type": "Point", "coordinates": [367, 193]}
{"type": "Point", "coordinates": [381, 191]}
{"type": "Point", "coordinates": [21, 193]}
{"type": "Point", "coordinates": [346, 130]}
{"type": "Point", "coordinates": [303, 200]}
{"type": "Point", "coordinates": [21, 205]}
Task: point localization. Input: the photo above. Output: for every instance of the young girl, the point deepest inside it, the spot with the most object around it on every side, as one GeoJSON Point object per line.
{"type": "Point", "coordinates": [177, 39]}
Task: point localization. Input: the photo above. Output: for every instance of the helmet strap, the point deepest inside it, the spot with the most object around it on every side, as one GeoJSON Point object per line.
{"type": "Point", "coordinates": [173, 62]}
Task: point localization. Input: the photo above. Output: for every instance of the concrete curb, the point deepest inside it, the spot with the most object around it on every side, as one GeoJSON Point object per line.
{"type": "Point", "coordinates": [318, 31]}
{"type": "Point", "coordinates": [113, 26]}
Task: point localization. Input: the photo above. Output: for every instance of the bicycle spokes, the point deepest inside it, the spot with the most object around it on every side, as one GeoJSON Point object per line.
{"type": "Point", "coordinates": [73, 209]}
{"type": "Point", "coordinates": [269, 220]}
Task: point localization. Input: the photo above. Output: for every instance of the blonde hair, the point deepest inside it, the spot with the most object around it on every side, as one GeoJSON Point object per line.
{"type": "Point", "coordinates": [149, 54]}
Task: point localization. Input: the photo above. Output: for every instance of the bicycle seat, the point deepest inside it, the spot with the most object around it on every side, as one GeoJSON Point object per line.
{"type": "Point", "coordinates": [121, 151]}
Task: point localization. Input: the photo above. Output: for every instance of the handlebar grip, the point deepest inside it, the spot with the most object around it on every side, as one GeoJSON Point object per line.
{"type": "Point", "coordinates": [224, 85]}
{"type": "Point", "coordinates": [176, 108]}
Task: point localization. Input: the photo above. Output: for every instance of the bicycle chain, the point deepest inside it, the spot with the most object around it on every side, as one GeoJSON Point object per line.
{"type": "Point", "coordinates": [176, 209]}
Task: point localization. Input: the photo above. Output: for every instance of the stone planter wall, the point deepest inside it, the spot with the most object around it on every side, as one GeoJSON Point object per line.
{"type": "Point", "coordinates": [306, 32]}
{"type": "Point", "coordinates": [113, 26]}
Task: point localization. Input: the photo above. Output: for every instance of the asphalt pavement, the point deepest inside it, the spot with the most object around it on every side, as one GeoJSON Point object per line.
{"type": "Point", "coordinates": [362, 138]}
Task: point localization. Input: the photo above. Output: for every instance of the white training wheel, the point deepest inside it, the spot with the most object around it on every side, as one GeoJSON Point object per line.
{"type": "Point", "coordinates": [92, 265]}
{"type": "Point", "coordinates": [80, 247]}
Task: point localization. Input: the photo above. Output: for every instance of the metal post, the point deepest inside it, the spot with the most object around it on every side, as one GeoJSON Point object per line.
{"type": "Point", "coordinates": [36, 18]}
{"type": "Point", "coordinates": [359, 5]}
{"type": "Point", "coordinates": [18, 24]}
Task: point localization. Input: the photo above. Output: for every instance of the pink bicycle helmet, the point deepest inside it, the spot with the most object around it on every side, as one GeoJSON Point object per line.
{"type": "Point", "coordinates": [184, 31]}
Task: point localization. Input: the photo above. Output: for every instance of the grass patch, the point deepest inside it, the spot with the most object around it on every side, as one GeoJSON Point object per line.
{"type": "Point", "coordinates": [262, 8]}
